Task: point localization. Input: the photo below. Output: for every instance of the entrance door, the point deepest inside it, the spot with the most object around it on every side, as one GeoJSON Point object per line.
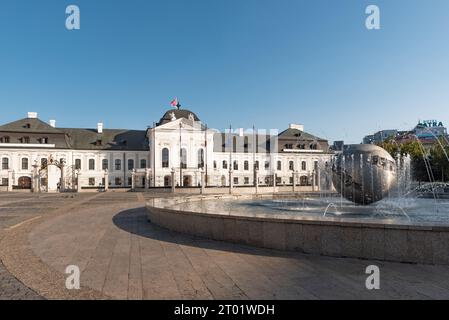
{"type": "Point", "coordinates": [24, 183]}
{"type": "Point", "coordinates": [187, 181]}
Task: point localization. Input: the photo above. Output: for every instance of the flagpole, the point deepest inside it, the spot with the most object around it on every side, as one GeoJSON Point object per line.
{"type": "Point", "coordinates": [180, 155]}
{"type": "Point", "coordinates": [254, 156]}
{"type": "Point", "coordinates": [205, 145]}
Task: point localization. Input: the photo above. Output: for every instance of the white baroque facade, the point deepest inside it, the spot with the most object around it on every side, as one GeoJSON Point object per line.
{"type": "Point", "coordinates": [178, 150]}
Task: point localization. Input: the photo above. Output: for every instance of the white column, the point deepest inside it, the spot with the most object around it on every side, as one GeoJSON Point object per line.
{"type": "Point", "coordinates": [78, 182]}
{"type": "Point", "coordinates": [62, 184]}
{"type": "Point", "coordinates": [202, 181]}
{"type": "Point", "coordinates": [106, 180]}
{"type": "Point", "coordinates": [10, 182]}
{"type": "Point", "coordinates": [147, 178]}
{"type": "Point", "coordinates": [294, 180]}
{"type": "Point", "coordinates": [231, 183]}
{"type": "Point", "coordinates": [173, 182]}
{"type": "Point", "coordinates": [256, 178]}
{"type": "Point", "coordinates": [274, 182]}
{"type": "Point", "coordinates": [133, 180]}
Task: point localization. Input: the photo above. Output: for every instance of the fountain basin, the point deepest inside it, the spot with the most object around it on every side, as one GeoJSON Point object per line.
{"type": "Point", "coordinates": [400, 241]}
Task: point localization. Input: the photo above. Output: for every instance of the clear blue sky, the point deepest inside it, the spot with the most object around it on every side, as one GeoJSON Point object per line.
{"type": "Point", "coordinates": [243, 62]}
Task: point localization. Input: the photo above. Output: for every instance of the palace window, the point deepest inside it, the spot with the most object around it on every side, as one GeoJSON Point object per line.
{"type": "Point", "coordinates": [234, 144]}
{"type": "Point", "coordinates": [236, 180]}
{"type": "Point", "coordinates": [246, 180]}
{"type": "Point", "coordinates": [267, 165]}
{"type": "Point", "coordinates": [78, 164]}
{"type": "Point", "coordinates": [279, 165]}
{"type": "Point", "coordinates": [91, 164]}
{"type": "Point", "coordinates": [143, 163]}
{"type": "Point", "coordinates": [245, 145]}
{"type": "Point", "coordinates": [5, 163]}
{"type": "Point", "coordinates": [5, 181]}
{"type": "Point", "coordinates": [118, 181]}
{"type": "Point", "coordinates": [200, 158]}
{"type": "Point", "coordinates": [303, 166]}
{"type": "Point", "coordinates": [105, 164]}
{"type": "Point", "coordinates": [291, 166]}
{"type": "Point", "coordinates": [236, 165]}
{"type": "Point", "coordinates": [215, 164]}
{"type": "Point", "coordinates": [130, 164]}
{"type": "Point", "coordinates": [24, 163]}
{"type": "Point", "coordinates": [4, 139]}
{"type": "Point", "coordinates": [118, 165]}
{"type": "Point", "coordinates": [43, 140]}
{"type": "Point", "coordinates": [91, 182]}
{"type": "Point", "coordinates": [289, 146]}
{"type": "Point", "coordinates": [225, 164]}
{"type": "Point", "coordinates": [44, 162]}
{"type": "Point", "coordinates": [183, 158]}
{"type": "Point", "coordinates": [256, 165]}
{"type": "Point", "coordinates": [165, 158]}
{"type": "Point", "coordinates": [24, 140]}
{"type": "Point", "coordinates": [246, 165]}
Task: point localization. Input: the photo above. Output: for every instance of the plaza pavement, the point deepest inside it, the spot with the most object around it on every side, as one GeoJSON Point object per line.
{"type": "Point", "coordinates": [123, 256]}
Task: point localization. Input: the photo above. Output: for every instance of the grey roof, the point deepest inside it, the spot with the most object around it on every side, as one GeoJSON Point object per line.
{"type": "Point", "coordinates": [30, 125]}
{"type": "Point", "coordinates": [110, 139]}
{"type": "Point", "coordinates": [291, 133]}
{"type": "Point", "coordinates": [179, 113]}
{"type": "Point", "coordinates": [73, 138]}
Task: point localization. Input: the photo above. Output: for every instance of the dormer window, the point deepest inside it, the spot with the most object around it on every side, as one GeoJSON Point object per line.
{"type": "Point", "coordinates": [27, 126]}
{"type": "Point", "coordinates": [24, 140]}
{"type": "Point", "coordinates": [43, 140]}
{"type": "Point", "coordinates": [99, 142]}
{"type": "Point", "coordinates": [4, 139]}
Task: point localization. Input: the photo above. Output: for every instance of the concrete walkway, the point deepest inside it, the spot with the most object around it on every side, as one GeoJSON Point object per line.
{"type": "Point", "coordinates": [122, 256]}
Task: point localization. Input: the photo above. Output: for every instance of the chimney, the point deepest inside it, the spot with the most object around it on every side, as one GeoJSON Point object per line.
{"type": "Point", "coordinates": [299, 127]}
{"type": "Point", "coordinates": [52, 123]}
{"type": "Point", "coordinates": [32, 115]}
{"type": "Point", "coordinates": [100, 127]}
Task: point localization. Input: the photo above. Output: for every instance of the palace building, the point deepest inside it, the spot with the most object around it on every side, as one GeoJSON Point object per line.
{"type": "Point", "coordinates": [179, 150]}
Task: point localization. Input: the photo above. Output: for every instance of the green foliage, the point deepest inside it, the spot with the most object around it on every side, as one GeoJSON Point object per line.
{"type": "Point", "coordinates": [436, 157]}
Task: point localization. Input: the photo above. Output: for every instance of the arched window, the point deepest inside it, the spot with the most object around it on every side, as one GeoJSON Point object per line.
{"type": "Point", "coordinates": [105, 164]}
{"type": "Point", "coordinates": [91, 164]}
{"type": "Point", "coordinates": [130, 164]}
{"type": "Point", "coordinates": [143, 163]}
{"type": "Point", "coordinates": [44, 162]}
{"type": "Point", "coordinates": [165, 158]}
{"type": "Point", "coordinates": [183, 158]}
{"type": "Point", "coordinates": [225, 164]}
{"type": "Point", "coordinates": [24, 163]}
{"type": "Point", "coordinates": [246, 165]}
{"type": "Point", "coordinates": [78, 164]}
{"type": "Point", "coordinates": [5, 163]}
{"type": "Point", "coordinates": [118, 165]}
{"type": "Point", "coordinates": [267, 165]}
{"type": "Point", "coordinates": [200, 158]}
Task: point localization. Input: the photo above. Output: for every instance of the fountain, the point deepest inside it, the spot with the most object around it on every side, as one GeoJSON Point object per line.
{"type": "Point", "coordinates": [371, 210]}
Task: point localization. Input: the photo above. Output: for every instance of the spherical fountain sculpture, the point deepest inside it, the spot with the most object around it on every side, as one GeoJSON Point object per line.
{"type": "Point", "coordinates": [364, 173]}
